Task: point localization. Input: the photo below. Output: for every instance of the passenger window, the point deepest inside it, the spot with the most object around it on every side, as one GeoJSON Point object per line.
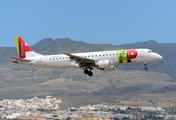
{"type": "Point", "coordinates": [95, 55]}
{"type": "Point", "coordinates": [106, 54]}
{"type": "Point", "coordinates": [113, 54]}
{"type": "Point", "coordinates": [88, 56]}
{"type": "Point", "coordinates": [103, 55]}
{"type": "Point", "coordinates": [92, 56]}
{"type": "Point", "coordinates": [59, 58]}
{"type": "Point", "coordinates": [53, 58]}
{"type": "Point", "coordinates": [100, 55]}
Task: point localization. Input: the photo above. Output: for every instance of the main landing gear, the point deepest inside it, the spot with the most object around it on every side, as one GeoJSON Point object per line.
{"type": "Point", "coordinates": [145, 66]}
{"type": "Point", "coordinates": [88, 72]}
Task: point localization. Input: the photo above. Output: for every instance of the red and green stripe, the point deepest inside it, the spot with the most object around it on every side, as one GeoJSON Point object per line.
{"type": "Point", "coordinates": [126, 55]}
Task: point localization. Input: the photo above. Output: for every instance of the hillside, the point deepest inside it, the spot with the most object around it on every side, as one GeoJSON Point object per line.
{"type": "Point", "coordinates": [32, 81]}
{"type": "Point", "coordinates": [19, 81]}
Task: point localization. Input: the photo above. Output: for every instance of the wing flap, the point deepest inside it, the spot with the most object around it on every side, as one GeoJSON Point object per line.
{"type": "Point", "coordinates": [79, 59]}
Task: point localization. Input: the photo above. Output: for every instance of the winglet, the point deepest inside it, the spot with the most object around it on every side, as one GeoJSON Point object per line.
{"type": "Point", "coordinates": [64, 51]}
{"type": "Point", "coordinates": [61, 49]}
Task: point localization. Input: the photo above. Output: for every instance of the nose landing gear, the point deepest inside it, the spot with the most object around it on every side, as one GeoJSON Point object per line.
{"type": "Point", "coordinates": [145, 66]}
{"type": "Point", "coordinates": [88, 72]}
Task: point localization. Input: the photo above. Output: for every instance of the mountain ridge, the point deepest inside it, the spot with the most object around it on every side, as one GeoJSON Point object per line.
{"type": "Point", "coordinates": [26, 81]}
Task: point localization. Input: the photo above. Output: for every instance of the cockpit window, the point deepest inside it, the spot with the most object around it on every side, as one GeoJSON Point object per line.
{"type": "Point", "coordinates": [149, 51]}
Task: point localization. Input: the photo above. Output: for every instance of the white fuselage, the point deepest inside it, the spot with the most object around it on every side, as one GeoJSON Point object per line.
{"type": "Point", "coordinates": [62, 61]}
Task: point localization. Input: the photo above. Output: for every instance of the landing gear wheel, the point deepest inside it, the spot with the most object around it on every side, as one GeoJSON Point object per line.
{"type": "Point", "coordinates": [90, 73]}
{"type": "Point", "coordinates": [146, 68]}
{"type": "Point", "coordinates": [145, 65]}
{"type": "Point", "coordinates": [86, 71]}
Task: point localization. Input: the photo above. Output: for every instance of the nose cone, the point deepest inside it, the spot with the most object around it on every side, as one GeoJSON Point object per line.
{"type": "Point", "coordinates": [159, 57]}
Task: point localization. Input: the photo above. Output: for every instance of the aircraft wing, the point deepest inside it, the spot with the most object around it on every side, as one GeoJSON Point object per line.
{"type": "Point", "coordinates": [83, 62]}
{"type": "Point", "coordinates": [20, 59]}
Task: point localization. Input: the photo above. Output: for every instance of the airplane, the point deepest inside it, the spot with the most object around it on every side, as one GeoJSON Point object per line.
{"type": "Point", "coordinates": [102, 60]}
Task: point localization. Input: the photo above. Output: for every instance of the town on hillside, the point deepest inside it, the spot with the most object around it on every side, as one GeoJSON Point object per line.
{"type": "Point", "coordinates": [48, 109]}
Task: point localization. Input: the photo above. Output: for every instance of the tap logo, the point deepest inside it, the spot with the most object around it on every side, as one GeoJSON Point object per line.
{"type": "Point", "coordinates": [21, 49]}
{"type": "Point", "coordinates": [126, 55]}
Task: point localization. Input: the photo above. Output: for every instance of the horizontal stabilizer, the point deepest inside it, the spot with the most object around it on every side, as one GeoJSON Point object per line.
{"type": "Point", "coordinates": [20, 59]}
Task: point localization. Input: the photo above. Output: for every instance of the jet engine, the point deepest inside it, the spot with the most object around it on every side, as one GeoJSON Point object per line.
{"type": "Point", "coordinates": [103, 64]}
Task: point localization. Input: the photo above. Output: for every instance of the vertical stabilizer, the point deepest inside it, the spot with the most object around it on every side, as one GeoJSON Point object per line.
{"type": "Point", "coordinates": [24, 51]}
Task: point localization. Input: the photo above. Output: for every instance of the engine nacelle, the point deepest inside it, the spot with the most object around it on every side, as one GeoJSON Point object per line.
{"type": "Point", "coordinates": [111, 68]}
{"type": "Point", "coordinates": [103, 64]}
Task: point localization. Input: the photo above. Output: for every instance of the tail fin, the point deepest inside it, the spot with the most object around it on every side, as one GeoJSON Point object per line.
{"type": "Point", "coordinates": [24, 51]}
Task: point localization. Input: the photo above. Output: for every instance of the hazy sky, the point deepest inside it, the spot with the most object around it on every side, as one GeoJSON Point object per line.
{"type": "Point", "coordinates": [92, 21]}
